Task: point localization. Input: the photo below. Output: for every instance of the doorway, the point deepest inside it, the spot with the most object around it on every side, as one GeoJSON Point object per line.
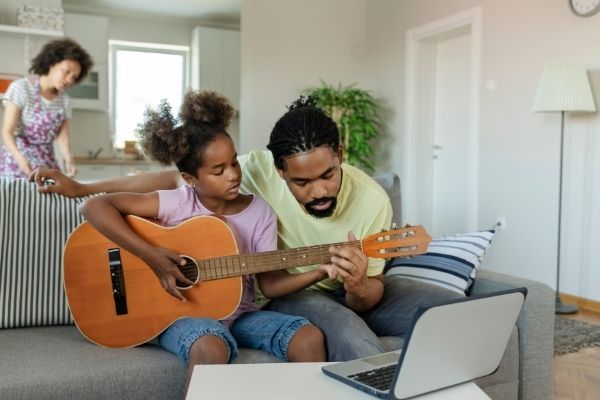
{"type": "Point", "coordinates": [442, 118]}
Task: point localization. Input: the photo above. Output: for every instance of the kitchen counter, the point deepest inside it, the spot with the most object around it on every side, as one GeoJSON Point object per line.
{"type": "Point", "coordinates": [89, 169]}
{"type": "Point", "coordinates": [112, 161]}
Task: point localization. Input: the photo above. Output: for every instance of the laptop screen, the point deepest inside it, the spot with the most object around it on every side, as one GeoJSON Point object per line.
{"type": "Point", "coordinates": [448, 344]}
{"type": "Point", "coordinates": [456, 342]}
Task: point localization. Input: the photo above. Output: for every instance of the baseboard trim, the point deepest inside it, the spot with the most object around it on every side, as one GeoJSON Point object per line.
{"type": "Point", "coordinates": [581, 302]}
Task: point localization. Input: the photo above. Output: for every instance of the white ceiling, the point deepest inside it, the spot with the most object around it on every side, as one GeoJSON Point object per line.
{"type": "Point", "coordinates": [228, 10]}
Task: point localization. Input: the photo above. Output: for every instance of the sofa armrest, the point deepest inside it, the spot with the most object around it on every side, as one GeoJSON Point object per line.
{"type": "Point", "coordinates": [536, 331]}
{"type": "Point", "coordinates": [33, 229]}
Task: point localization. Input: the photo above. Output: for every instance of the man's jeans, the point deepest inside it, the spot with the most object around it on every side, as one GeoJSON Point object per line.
{"type": "Point", "coordinates": [350, 335]}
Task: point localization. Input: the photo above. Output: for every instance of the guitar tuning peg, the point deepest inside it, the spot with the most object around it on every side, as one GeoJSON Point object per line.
{"type": "Point", "coordinates": [383, 237]}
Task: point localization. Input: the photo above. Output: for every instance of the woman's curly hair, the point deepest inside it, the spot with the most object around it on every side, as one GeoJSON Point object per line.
{"type": "Point", "coordinates": [57, 51]}
{"type": "Point", "coordinates": [204, 115]}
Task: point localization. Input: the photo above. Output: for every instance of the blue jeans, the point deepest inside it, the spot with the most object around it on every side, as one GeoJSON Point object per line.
{"type": "Point", "coordinates": [263, 330]}
{"type": "Point", "coordinates": [350, 335]}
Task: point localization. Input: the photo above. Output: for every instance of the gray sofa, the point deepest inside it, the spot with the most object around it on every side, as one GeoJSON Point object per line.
{"type": "Point", "coordinates": [42, 355]}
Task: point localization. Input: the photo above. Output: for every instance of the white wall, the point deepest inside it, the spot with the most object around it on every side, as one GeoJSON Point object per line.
{"type": "Point", "coordinates": [289, 45]}
{"type": "Point", "coordinates": [519, 150]}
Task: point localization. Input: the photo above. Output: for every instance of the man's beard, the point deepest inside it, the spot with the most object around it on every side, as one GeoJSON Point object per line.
{"type": "Point", "coordinates": [328, 212]}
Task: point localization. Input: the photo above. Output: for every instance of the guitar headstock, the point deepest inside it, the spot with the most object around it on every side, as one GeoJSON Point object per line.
{"type": "Point", "coordinates": [403, 242]}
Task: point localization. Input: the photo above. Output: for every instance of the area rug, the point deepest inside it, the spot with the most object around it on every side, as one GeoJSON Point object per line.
{"type": "Point", "coordinates": [571, 335]}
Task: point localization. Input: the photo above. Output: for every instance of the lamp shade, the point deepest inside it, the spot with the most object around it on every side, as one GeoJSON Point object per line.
{"type": "Point", "coordinates": [564, 88]}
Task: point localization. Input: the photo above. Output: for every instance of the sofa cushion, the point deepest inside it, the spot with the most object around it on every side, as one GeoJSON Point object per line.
{"type": "Point", "coordinates": [57, 362]}
{"type": "Point", "coordinates": [451, 261]}
{"type": "Point", "coordinates": [33, 228]}
{"type": "Point", "coordinates": [390, 182]}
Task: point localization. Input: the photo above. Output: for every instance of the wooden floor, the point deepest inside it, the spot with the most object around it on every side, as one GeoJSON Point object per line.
{"type": "Point", "coordinates": [577, 375]}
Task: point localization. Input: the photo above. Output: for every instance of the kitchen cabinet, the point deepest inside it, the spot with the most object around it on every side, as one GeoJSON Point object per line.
{"type": "Point", "coordinates": [92, 92]}
{"type": "Point", "coordinates": [91, 32]}
{"type": "Point", "coordinates": [215, 62]}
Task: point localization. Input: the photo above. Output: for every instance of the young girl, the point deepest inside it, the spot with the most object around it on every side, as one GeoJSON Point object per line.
{"type": "Point", "coordinates": [207, 160]}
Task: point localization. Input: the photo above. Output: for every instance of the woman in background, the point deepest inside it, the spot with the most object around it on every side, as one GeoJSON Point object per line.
{"type": "Point", "coordinates": [37, 110]}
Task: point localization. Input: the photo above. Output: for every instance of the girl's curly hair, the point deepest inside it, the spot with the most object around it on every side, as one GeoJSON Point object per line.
{"type": "Point", "coordinates": [57, 51]}
{"type": "Point", "coordinates": [204, 115]}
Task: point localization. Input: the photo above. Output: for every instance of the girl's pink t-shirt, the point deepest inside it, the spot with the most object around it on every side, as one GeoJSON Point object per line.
{"type": "Point", "coordinates": [255, 228]}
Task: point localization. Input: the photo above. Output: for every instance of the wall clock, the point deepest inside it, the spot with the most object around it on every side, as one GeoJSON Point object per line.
{"type": "Point", "coordinates": [585, 8]}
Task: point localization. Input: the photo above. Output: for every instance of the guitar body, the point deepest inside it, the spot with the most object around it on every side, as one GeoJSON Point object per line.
{"type": "Point", "coordinates": [90, 284]}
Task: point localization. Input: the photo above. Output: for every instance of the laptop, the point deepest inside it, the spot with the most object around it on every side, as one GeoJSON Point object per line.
{"type": "Point", "coordinates": [448, 344]}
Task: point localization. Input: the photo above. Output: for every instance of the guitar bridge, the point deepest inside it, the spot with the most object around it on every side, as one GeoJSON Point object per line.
{"type": "Point", "coordinates": [118, 281]}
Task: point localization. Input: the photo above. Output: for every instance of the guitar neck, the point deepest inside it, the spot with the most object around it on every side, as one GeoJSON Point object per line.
{"type": "Point", "coordinates": [244, 264]}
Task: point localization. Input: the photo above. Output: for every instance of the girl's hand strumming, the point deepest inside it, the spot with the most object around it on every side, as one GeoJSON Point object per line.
{"type": "Point", "coordinates": [164, 263]}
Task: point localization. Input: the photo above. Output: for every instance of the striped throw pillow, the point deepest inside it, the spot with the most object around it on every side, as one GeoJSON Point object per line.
{"type": "Point", "coordinates": [33, 230]}
{"type": "Point", "coordinates": [451, 261]}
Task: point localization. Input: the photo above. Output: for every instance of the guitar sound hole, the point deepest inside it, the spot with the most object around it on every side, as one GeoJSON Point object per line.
{"type": "Point", "coordinates": [190, 270]}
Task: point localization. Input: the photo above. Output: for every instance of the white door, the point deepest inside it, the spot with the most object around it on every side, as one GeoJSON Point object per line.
{"type": "Point", "coordinates": [451, 134]}
{"type": "Point", "coordinates": [443, 62]}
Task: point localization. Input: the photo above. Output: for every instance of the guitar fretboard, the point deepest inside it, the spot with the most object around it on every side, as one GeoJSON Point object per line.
{"type": "Point", "coordinates": [244, 264]}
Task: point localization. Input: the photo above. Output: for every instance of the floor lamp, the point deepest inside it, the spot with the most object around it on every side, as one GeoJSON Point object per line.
{"type": "Point", "coordinates": [563, 88]}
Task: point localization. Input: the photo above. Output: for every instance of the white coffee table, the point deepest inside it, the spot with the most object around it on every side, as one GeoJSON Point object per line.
{"type": "Point", "coordinates": [293, 381]}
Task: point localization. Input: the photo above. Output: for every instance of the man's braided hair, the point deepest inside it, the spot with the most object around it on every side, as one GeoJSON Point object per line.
{"type": "Point", "coordinates": [303, 128]}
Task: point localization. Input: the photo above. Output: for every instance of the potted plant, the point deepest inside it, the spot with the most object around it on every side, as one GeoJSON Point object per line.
{"type": "Point", "coordinates": [356, 114]}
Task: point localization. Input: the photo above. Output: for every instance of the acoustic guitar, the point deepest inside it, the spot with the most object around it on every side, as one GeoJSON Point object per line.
{"type": "Point", "coordinates": [117, 301]}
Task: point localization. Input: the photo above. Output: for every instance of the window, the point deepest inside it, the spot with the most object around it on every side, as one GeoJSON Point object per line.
{"type": "Point", "coordinates": [143, 74]}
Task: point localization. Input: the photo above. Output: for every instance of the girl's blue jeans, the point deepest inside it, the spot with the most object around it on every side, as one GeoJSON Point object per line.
{"type": "Point", "coordinates": [262, 330]}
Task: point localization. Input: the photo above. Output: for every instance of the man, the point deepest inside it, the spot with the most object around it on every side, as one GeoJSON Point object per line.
{"type": "Point", "coordinates": [318, 200]}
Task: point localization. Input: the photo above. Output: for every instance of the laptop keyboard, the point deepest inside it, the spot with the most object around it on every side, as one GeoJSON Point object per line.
{"type": "Point", "coordinates": [379, 378]}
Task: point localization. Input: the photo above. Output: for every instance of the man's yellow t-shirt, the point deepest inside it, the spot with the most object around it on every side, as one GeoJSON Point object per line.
{"type": "Point", "coordinates": [362, 207]}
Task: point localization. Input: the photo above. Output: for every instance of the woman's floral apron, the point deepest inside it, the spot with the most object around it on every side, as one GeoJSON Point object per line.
{"type": "Point", "coordinates": [35, 140]}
